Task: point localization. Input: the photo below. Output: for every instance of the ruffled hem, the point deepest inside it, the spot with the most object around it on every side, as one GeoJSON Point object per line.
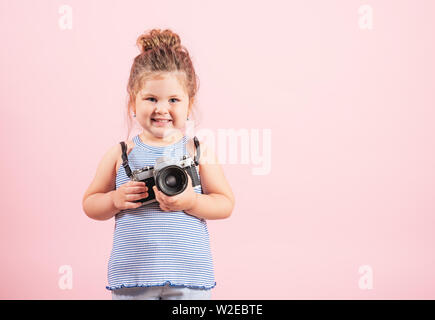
{"type": "Point", "coordinates": [163, 284]}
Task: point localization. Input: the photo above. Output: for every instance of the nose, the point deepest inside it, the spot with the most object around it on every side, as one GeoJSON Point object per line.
{"type": "Point", "coordinates": [161, 108]}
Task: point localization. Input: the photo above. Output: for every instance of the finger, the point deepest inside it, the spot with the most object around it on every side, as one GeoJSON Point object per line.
{"type": "Point", "coordinates": [189, 180]}
{"type": "Point", "coordinates": [136, 189]}
{"type": "Point", "coordinates": [132, 183]}
{"type": "Point", "coordinates": [136, 196]}
{"type": "Point", "coordinates": [136, 183]}
{"type": "Point", "coordinates": [133, 205]}
{"type": "Point", "coordinates": [164, 208]}
{"type": "Point", "coordinates": [158, 194]}
{"type": "Point", "coordinates": [169, 200]}
{"type": "Point", "coordinates": [173, 199]}
{"type": "Point", "coordinates": [164, 198]}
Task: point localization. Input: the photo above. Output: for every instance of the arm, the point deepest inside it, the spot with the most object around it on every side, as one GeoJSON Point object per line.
{"type": "Point", "coordinates": [97, 200]}
{"type": "Point", "coordinates": [218, 201]}
{"type": "Point", "coordinates": [99, 206]}
{"type": "Point", "coordinates": [211, 206]}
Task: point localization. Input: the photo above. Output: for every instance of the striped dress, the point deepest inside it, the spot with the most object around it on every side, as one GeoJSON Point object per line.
{"type": "Point", "coordinates": [152, 247]}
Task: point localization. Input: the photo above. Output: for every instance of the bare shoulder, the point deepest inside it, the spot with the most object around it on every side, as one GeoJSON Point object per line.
{"type": "Point", "coordinates": [104, 179]}
{"type": "Point", "coordinates": [105, 176]}
{"type": "Point", "coordinates": [206, 152]}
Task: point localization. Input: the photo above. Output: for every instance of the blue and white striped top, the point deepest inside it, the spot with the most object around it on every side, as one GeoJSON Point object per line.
{"type": "Point", "coordinates": [152, 247]}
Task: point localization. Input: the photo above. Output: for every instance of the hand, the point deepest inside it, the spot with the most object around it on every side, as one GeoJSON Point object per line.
{"type": "Point", "coordinates": [182, 201]}
{"type": "Point", "coordinates": [133, 190]}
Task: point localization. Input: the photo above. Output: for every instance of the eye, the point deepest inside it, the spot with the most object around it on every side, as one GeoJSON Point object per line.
{"type": "Point", "coordinates": [176, 100]}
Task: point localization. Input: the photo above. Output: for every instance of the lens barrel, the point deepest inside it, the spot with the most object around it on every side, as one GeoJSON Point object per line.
{"type": "Point", "coordinates": [171, 180]}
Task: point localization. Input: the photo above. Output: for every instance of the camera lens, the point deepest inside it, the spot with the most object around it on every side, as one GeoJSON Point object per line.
{"type": "Point", "coordinates": [171, 180]}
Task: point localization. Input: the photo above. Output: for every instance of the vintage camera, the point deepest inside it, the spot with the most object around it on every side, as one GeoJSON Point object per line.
{"type": "Point", "coordinates": [169, 175]}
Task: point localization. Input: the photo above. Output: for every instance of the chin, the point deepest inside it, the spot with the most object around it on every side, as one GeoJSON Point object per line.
{"type": "Point", "coordinates": [165, 132]}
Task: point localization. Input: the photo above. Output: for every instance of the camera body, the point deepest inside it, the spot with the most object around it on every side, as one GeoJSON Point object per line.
{"type": "Point", "coordinates": [170, 176]}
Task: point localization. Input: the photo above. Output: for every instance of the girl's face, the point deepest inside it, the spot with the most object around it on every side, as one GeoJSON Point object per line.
{"type": "Point", "coordinates": [162, 107]}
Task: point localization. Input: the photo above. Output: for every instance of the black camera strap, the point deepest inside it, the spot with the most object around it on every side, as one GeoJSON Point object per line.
{"type": "Point", "coordinates": [125, 159]}
{"type": "Point", "coordinates": [198, 153]}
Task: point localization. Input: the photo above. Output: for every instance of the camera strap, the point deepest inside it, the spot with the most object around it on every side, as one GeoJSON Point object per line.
{"type": "Point", "coordinates": [125, 159]}
{"type": "Point", "coordinates": [198, 153]}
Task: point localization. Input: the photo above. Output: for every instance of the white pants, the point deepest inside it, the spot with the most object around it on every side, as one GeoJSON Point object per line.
{"type": "Point", "coordinates": [165, 292]}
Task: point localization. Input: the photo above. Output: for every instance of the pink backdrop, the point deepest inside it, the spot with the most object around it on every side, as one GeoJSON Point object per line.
{"type": "Point", "coordinates": [350, 111]}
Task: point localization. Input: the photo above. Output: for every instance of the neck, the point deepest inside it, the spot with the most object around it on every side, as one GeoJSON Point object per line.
{"type": "Point", "coordinates": [161, 141]}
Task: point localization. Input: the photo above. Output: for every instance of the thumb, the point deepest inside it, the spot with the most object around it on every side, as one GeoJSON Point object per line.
{"type": "Point", "coordinates": [156, 191]}
{"type": "Point", "coordinates": [189, 180]}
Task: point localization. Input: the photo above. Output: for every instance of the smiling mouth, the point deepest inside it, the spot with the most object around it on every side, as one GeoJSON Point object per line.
{"type": "Point", "coordinates": [161, 120]}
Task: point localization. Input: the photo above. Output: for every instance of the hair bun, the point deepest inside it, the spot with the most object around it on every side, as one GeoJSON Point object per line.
{"type": "Point", "coordinates": [156, 39]}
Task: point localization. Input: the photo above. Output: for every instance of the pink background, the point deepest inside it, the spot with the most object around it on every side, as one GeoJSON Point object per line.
{"type": "Point", "coordinates": [351, 113]}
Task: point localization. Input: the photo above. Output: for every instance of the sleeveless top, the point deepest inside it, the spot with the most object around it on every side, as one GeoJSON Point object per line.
{"type": "Point", "coordinates": [152, 247]}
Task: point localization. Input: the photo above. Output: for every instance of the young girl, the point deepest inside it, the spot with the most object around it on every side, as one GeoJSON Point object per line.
{"type": "Point", "coordinates": [161, 250]}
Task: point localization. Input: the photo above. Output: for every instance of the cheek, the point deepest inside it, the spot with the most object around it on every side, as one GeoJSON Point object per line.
{"type": "Point", "coordinates": [181, 116]}
{"type": "Point", "coordinates": [178, 123]}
